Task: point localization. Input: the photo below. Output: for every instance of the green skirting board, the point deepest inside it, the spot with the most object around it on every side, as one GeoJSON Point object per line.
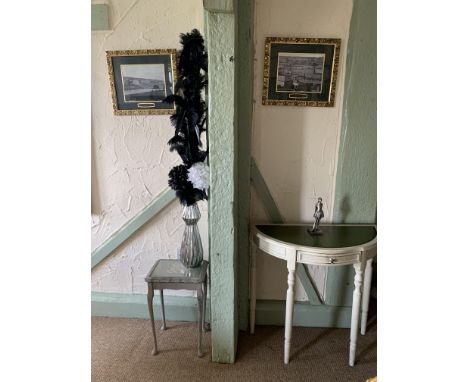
{"type": "Point", "coordinates": [269, 312]}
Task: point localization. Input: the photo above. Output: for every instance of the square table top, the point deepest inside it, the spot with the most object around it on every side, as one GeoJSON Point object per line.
{"type": "Point", "coordinates": [173, 271]}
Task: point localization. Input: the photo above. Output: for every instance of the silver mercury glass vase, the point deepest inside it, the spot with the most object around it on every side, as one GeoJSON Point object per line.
{"type": "Point", "coordinates": [191, 249]}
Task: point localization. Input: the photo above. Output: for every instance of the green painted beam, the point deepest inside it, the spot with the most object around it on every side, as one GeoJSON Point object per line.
{"type": "Point", "coordinates": [219, 6]}
{"type": "Point", "coordinates": [273, 212]}
{"type": "Point", "coordinates": [308, 286]}
{"type": "Point", "coordinates": [272, 312]}
{"type": "Point", "coordinates": [244, 96]}
{"type": "Point", "coordinates": [129, 228]}
{"type": "Point", "coordinates": [177, 308]}
{"type": "Point", "coordinates": [356, 178]}
{"type": "Point", "coordinates": [99, 17]}
{"type": "Point", "coordinates": [264, 194]}
{"type": "Point", "coordinates": [220, 30]}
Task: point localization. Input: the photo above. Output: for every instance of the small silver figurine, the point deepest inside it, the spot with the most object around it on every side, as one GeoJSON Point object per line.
{"type": "Point", "coordinates": [318, 214]}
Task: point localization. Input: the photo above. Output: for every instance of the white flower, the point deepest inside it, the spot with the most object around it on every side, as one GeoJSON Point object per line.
{"type": "Point", "coordinates": [199, 175]}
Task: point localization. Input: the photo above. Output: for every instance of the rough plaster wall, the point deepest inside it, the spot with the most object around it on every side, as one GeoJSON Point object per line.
{"type": "Point", "coordinates": [130, 155]}
{"type": "Point", "coordinates": [296, 147]}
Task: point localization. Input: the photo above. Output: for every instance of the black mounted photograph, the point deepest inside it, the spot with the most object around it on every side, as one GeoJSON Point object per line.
{"type": "Point", "coordinates": [300, 72]}
{"type": "Point", "coordinates": [141, 80]}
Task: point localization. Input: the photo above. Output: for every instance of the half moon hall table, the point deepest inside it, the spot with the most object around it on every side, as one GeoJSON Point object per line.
{"type": "Point", "coordinates": [338, 245]}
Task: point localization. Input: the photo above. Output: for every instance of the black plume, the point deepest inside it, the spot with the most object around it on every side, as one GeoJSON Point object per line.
{"type": "Point", "coordinates": [189, 119]}
{"type": "Point", "coordinates": [178, 178]}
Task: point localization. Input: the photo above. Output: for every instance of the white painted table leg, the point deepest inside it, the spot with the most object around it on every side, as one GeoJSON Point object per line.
{"type": "Point", "coordinates": [366, 296]}
{"type": "Point", "coordinates": [355, 311]}
{"type": "Point", "coordinates": [289, 312]}
{"type": "Point", "coordinates": [253, 288]}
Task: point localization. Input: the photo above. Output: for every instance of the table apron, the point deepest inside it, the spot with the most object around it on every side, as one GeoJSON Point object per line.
{"type": "Point", "coordinates": [176, 286]}
{"type": "Point", "coordinates": [272, 248]}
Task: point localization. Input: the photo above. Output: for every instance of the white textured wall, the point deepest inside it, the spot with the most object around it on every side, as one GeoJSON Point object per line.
{"type": "Point", "coordinates": [130, 155]}
{"type": "Point", "coordinates": [296, 147]}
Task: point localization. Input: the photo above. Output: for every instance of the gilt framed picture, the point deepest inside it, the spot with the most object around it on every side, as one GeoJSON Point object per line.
{"type": "Point", "coordinates": [300, 71]}
{"type": "Point", "coordinates": [141, 79]}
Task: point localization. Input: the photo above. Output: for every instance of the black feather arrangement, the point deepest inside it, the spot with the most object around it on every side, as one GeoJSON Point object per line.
{"type": "Point", "coordinates": [178, 178]}
{"type": "Point", "coordinates": [178, 181]}
{"type": "Point", "coordinates": [189, 119]}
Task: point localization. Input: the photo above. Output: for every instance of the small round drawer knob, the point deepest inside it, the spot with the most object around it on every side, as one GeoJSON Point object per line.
{"type": "Point", "coordinates": [332, 260]}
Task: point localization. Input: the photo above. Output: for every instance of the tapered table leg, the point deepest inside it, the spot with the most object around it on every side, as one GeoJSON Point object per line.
{"type": "Point", "coordinates": [355, 312]}
{"type": "Point", "coordinates": [289, 312]}
{"type": "Point", "coordinates": [150, 308]}
{"type": "Point", "coordinates": [161, 295]}
{"type": "Point", "coordinates": [366, 296]}
{"type": "Point", "coordinates": [200, 319]}
{"type": "Point", "coordinates": [253, 288]}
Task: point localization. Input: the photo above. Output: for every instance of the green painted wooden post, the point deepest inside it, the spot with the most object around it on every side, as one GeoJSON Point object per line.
{"type": "Point", "coordinates": [305, 279]}
{"type": "Point", "coordinates": [220, 38]}
{"type": "Point", "coordinates": [244, 75]}
{"type": "Point", "coordinates": [99, 17]}
{"type": "Point", "coordinates": [264, 194]}
{"type": "Point", "coordinates": [356, 185]}
{"type": "Point", "coordinates": [128, 229]}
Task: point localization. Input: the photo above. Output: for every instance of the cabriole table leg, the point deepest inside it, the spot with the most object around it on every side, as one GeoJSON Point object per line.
{"type": "Point", "coordinates": [161, 295]}
{"type": "Point", "coordinates": [150, 308]}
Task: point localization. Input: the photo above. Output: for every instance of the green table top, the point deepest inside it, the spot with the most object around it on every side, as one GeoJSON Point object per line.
{"type": "Point", "coordinates": [333, 236]}
{"type": "Point", "coordinates": [173, 271]}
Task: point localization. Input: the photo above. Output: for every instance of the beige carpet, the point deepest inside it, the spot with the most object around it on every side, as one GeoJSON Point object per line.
{"type": "Point", "coordinates": [121, 351]}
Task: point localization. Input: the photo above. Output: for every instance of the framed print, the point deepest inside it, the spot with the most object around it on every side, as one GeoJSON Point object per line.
{"type": "Point", "coordinates": [300, 71]}
{"type": "Point", "coordinates": [141, 79]}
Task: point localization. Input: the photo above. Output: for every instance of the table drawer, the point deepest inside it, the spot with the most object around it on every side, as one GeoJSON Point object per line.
{"type": "Point", "coordinates": [323, 259]}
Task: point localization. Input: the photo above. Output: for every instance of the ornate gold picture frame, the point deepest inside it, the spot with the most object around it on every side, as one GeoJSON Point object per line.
{"type": "Point", "coordinates": [141, 79]}
{"type": "Point", "coordinates": [300, 71]}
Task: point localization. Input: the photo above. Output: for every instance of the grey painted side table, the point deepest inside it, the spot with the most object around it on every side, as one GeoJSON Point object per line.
{"type": "Point", "coordinates": [171, 274]}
